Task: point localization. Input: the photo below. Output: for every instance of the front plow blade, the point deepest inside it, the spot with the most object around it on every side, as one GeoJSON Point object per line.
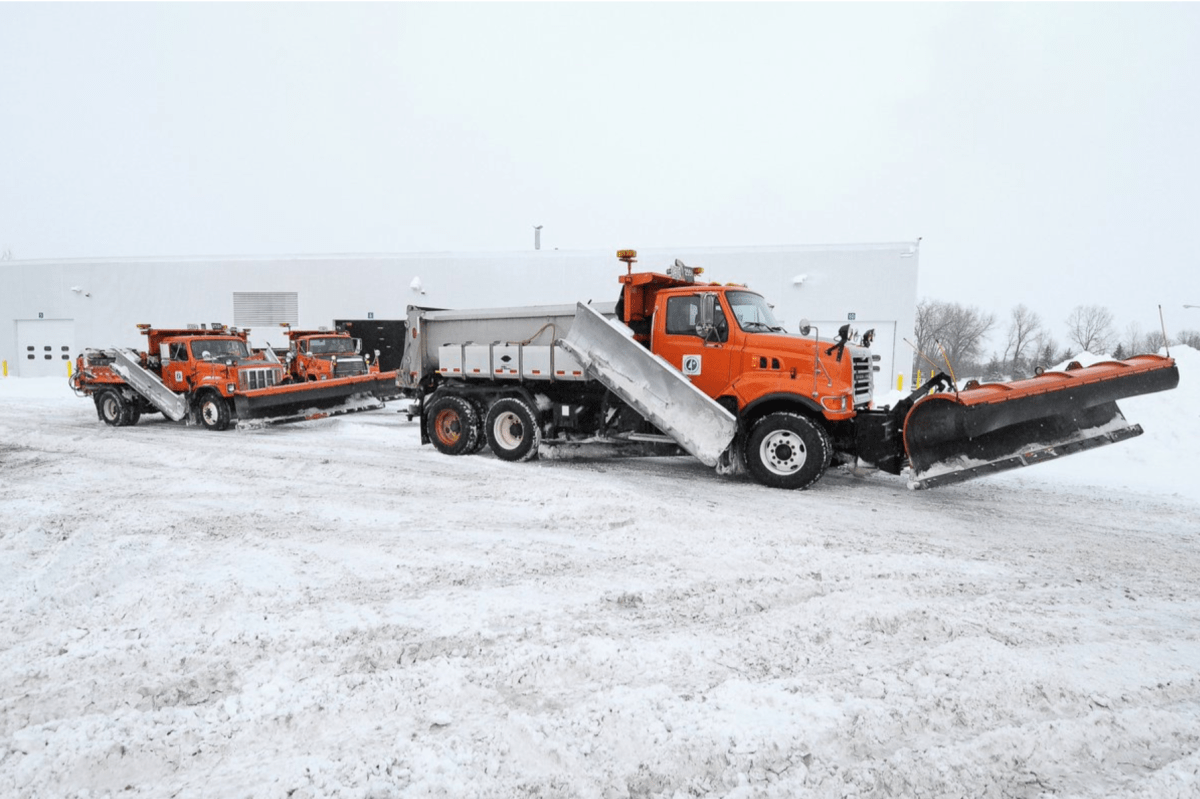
{"type": "Point", "coordinates": [950, 437]}
{"type": "Point", "coordinates": [297, 402]}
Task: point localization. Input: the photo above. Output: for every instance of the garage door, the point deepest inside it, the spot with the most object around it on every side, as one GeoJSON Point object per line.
{"type": "Point", "coordinates": [44, 346]}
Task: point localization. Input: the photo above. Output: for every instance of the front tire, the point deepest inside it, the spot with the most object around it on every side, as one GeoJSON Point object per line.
{"type": "Point", "coordinates": [214, 412]}
{"type": "Point", "coordinates": [512, 429]}
{"type": "Point", "coordinates": [452, 425]}
{"type": "Point", "coordinates": [786, 450]}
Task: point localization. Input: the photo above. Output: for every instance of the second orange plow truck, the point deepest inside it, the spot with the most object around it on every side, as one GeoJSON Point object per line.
{"type": "Point", "coordinates": [212, 376]}
{"type": "Point", "coordinates": [707, 367]}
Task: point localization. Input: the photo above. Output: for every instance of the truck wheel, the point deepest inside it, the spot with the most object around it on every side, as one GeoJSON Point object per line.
{"type": "Point", "coordinates": [453, 425]}
{"type": "Point", "coordinates": [480, 434]}
{"type": "Point", "coordinates": [111, 407]}
{"type": "Point", "coordinates": [214, 411]}
{"type": "Point", "coordinates": [512, 429]}
{"type": "Point", "coordinates": [786, 450]}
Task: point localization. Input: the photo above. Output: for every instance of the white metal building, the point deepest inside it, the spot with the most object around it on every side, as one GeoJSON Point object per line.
{"type": "Point", "coordinates": [50, 310]}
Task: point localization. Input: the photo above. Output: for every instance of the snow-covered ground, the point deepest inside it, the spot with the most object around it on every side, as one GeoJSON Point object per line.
{"type": "Point", "coordinates": [331, 610]}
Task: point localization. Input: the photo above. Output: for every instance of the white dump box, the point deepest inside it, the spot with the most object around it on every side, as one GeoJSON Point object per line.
{"type": "Point", "coordinates": [506, 361]}
{"type": "Point", "coordinates": [493, 344]}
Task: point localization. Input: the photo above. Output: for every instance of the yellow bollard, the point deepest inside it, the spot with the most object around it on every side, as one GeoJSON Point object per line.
{"type": "Point", "coordinates": [899, 382]}
{"type": "Point", "coordinates": [6, 368]}
{"type": "Point", "coordinates": [68, 368]}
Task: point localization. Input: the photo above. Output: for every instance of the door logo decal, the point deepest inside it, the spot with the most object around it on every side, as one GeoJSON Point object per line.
{"type": "Point", "coordinates": [691, 364]}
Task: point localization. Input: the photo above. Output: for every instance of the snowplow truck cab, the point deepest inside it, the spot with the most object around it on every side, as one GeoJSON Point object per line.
{"type": "Point", "coordinates": [708, 367]}
{"type": "Point", "coordinates": [211, 377]}
{"type": "Point", "coordinates": [315, 355]}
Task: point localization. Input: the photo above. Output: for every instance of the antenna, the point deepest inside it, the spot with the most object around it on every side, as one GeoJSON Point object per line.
{"type": "Point", "coordinates": [949, 368]}
{"type": "Point", "coordinates": [1166, 341]}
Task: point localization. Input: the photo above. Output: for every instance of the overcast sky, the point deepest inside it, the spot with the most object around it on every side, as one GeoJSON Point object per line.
{"type": "Point", "coordinates": [1046, 154]}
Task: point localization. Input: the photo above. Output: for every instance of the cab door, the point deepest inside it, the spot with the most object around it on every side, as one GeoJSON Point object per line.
{"type": "Point", "coordinates": [680, 340]}
{"type": "Point", "coordinates": [176, 365]}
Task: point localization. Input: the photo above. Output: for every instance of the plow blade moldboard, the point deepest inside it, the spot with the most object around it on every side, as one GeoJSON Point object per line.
{"type": "Point", "coordinates": [650, 385]}
{"type": "Point", "coordinates": [315, 400]}
{"type": "Point", "coordinates": [950, 437]}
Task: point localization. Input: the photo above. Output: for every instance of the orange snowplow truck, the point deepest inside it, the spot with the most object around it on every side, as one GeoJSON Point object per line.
{"type": "Point", "coordinates": [214, 378]}
{"type": "Point", "coordinates": [708, 367]}
{"type": "Point", "coordinates": [315, 355]}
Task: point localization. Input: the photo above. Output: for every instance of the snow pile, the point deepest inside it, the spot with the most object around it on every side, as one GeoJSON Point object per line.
{"type": "Point", "coordinates": [329, 609]}
{"type": "Point", "coordinates": [1162, 459]}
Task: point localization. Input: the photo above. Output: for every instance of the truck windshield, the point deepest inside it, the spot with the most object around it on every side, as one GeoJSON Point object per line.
{"type": "Point", "coordinates": [752, 312]}
{"type": "Point", "coordinates": [330, 345]}
{"type": "Point", "coordinates": [220, 348]}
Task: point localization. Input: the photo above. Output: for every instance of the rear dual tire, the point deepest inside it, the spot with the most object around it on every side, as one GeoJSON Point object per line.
{"type": "Point", "coordinates": [452, 425]}
{"type": "Point", "coordinates": [116, 411]}
{"type": "Point", "coordinates": [512, 429]}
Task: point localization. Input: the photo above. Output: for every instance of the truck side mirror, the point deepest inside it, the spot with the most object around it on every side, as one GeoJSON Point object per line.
{"type": "Point", "coordinates": [705, 326]}
{"type": "Point", "coordinates": [805, 327]}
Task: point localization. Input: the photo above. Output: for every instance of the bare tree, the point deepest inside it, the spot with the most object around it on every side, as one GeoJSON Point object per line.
{"type": "Point", "coordinates": [1133, 339]}
{"type": "Point", "coordinates": [1153, 342]}
{"type": "Point", "coordinates": [1047, 350]}
{"type": "Point", "coordinates": [1190, 338]}
{"type": "Point", "coordinates": [1023, 328]}
{"type": "Point", "coordinates": [1091, 328]}
{"type": "Point", "coordinates": [957, 330]}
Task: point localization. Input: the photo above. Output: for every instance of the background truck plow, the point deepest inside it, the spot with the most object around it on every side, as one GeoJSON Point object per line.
{"type": "Point", "coordinates": [296, 402]}
{"type": "Point", "coordinates": [212, 376]}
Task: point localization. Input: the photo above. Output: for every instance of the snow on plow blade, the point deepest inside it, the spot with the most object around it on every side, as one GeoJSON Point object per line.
{"type": "Point", "coordinates": [297, 402]}
{"type": "Point", "coordinates": [650, 385]}
{"type": "Point", "coordinates": [956, 436]}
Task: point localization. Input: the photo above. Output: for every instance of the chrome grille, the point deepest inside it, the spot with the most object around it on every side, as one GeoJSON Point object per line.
{"type": "Point", "coordinates": [863, 379]}
{"type": "Point", "coordinates": [258, 378]}
{"type": "Point", "coordinates": [349, 368]}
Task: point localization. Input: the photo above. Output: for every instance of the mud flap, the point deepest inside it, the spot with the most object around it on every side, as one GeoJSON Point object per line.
{"type": "Point", "coordinates": [650, 385]}
{"type": "Point", "coordinates": [950, 437]}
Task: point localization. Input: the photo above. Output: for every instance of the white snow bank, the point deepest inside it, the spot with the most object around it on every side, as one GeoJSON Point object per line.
{"type": "Point", "coordinates": [1162, 460]}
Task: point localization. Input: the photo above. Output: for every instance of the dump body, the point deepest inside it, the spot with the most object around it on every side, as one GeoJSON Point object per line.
{"type": "Point", "coordinates": [214, 377]}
